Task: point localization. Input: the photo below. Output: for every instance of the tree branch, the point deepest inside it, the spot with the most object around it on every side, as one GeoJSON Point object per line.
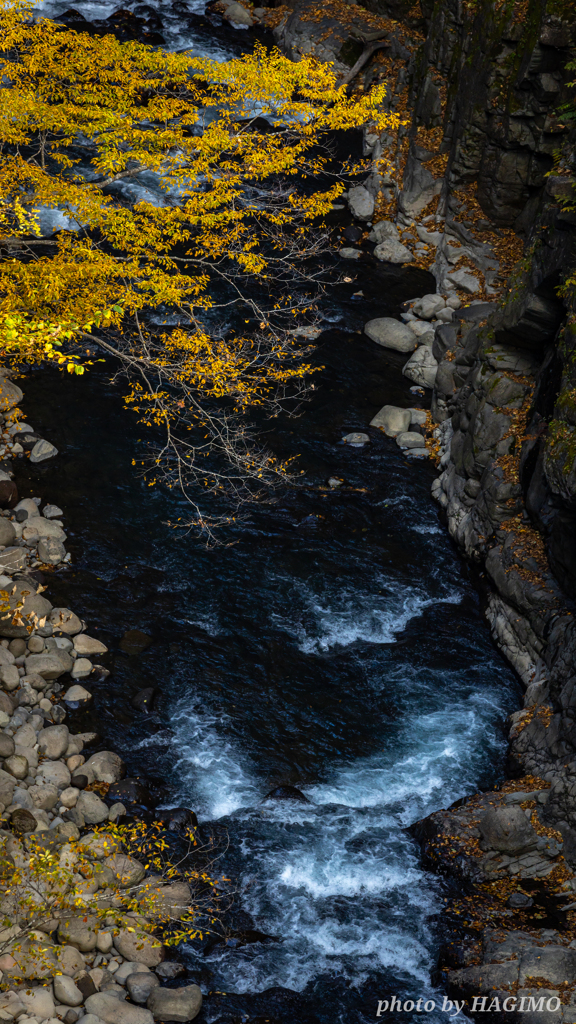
{"type": "Point", "coordinates": [363, 59]}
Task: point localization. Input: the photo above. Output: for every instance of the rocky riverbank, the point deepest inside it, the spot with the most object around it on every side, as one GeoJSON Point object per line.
{"type": "Point", "coordinates": [92, 953]}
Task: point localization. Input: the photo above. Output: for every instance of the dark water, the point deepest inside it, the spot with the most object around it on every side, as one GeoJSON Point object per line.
{"type": "Point", "coordinates": [335, 644]}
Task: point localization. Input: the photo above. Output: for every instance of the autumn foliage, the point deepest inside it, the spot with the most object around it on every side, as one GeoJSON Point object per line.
{"type": "Point", "coordinates": [183, 216]}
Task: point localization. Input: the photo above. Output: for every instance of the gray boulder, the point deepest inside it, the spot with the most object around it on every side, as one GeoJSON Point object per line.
{"type": "Point", "coordinates": [390, 251]}
{"type": "Point", "coordinates": [91, 807]}
{"type": "Point", "coordinates": [55, 773]}
{"type": "Point", "coordinates": [410, 439]}
{"type": "Point", "coordinates": [51, 551]}
{"type": "Point", "coordinates": [10, 394]}
{"type": "Point", "coordinates": [113, 1010]}
{"type": "Point", "coordinates": [6, 745]}
{"type": "Point", "coordinates": [140, 986]}
{"type": "Point", "coordinates": [127, 870]}
{"type": "Point", "coordinates": [139, 946]}
{"type": "Point", "coordinates": [43, 450]}
{"type": "Point", "coordinates": [9, 677]}
{"type": "Point", "coordinates": [554, 963]}
{"type": "Point", "coordinates": [176, 1004]}
{"type": "Point", "coordinates": [11, 560]}
{"type": "Point", "coordinates": [348, 253]}
{"type": "Point", "coordinates": [361, 203]}
{"type": "Point", "coordinates": [65, 620]}
{"type": "Point", "coordinates": [86, 645]}
{"type": "Point", "coordinates": [421, 367]}
{"type": "Point", "coordinates": [107, 766]}
{"type": "Point", "coordinates": [465, 281]}
{"type": "Point", "coordinates": [7, 532]}
{"type": "Point", "coordinates": [383, 231]}
{"type": "Point", "coordinates": [427, 307]}
{"type": "Point", "coordinates": [53, 741]}
{"type": "Point", "coordinates": [7, 786]}
{"type": "Point", "coordinates": [391, 420]}
{"type": "Point", "coordinates": [80, 932]}
{"type": "Point", "coordinates": [507, 829]}
{"type": "Point", "coordinates": [391, 333]}
{"type": "Point", "coordinates": [30, 606]}
{"type": "Point", "coordinates": [49, 666]}
{"type": "Point", "coordinates": [66, 991]}
{"type": "Point", "coordinates": [238, 15]}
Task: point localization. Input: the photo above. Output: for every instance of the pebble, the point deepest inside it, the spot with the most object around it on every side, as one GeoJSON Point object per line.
{"type": "Point", "coordinates": [356, 439]}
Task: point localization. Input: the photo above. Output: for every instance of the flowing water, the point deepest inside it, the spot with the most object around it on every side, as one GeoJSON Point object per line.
{"type": "Point", "coordinates": [334, 644]}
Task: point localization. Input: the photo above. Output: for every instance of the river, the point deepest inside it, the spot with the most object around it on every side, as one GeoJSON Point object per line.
{"type": "Point", "coordinates": [334, 643]}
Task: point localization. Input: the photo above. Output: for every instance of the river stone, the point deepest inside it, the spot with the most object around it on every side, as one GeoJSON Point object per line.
{"type": "Point", "coordinates": [84, 645]}
{"type": "Point", "coordinates": [238, 15]}
{"type": "Point", "coordinates": [10, 395]}
{"type": "Point", "coordinates": [361, 203]}
{"type": "Point", "coordinates": [17, 765]}
{"type": "Point", "coordinates": [23, 821]}
{"type": "Point", "coordinates": [391, 420]}
{"type": "Point", "coordinates": [10, 677]}
{"type": "Point", "coordinates": [77, 694]}
{"type": "Point", "coordinates": [53, 741]}
{"type": "Point", "coordinates": [107, 766]}
{"type": "Point", "coordinates": [176, 1004]}
{"type": "Point", "coordinates": [65, 620]}
{"type": "Point", "coordinates": [507, 829]}
{"type": "Point", "coordinates": [356, 439]}
{"type": "Point", "coordinates": [6, 745]}
{"type": "Point", "coordinates": [49, 666]}
{"type": "Point", "coordinates": [66, 991]}
{"type": "Point", "coordinates": [141, 985]}
{"type": "Point", "coordinates": [31, 606]}
{"type": "Point", "coordinates": [348, 253]}
{"type": "Point", "coordinates": [410, 439]}
{"type": "Point", "coordinates": [12, 559]}
{"type": "Point", "coordinates": [52, 511]}
{"type": "Point", "coordinates": [127, 968]}
{"type": "Point", "coordinates": [38, 1002]}
{"type": "Point", "coordinates": [79, 932]}
{"type": "Point", "coordinates": [170, 970]}
{"type": "Point", "coordinates": [91, 807]}
{"type": "Point", "coordinates": [7, 532]}
{"type": "Point", "coordinates": [427, 307]}
{"type": "Point", "coordinates": [43, 450]}
{"type": "Point", "coordinates": [7, 786]}
{"type": "Point", "coordinates": [28, 505]}
{"type": "Point", "coordinates": [51, 551]}
{"type": "Point", "coordinates": [81, 669]}
{"type": "Point", "coordinates": [139, 947]}
{"type": "Point", "coordinates": [383, 231]}
{"type": "Point", "coordinates": [421, 367]}
{"type": "Point", "coordinates": [44, 797]}
{"type": "Point", "coordinates": [98, 845]}
{"type": "Point", "coordinates": [390, 251]}
{"type": "Point", "coordinates": [391, 333]}
{"type": "Point", "coordinates": [172, 900]}
{"type": "Point", "coordinates": [127, 871]}
{"type": "Point", "coordinates": [113, 1010]}
{"type": "Point", "coordinates": [54, 773]}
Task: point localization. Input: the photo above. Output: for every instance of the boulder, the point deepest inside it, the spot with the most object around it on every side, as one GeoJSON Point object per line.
{"type": "Point", "coordinates": [52, 511]}
{"type": "Point", "coordinates": [507, 830]}
{"type": "Point", "coordinates": [8, 493]}
{"type": "Point", "coordinates": [81, 669]}
{"type": "Point", "coordinates": [127, 968]}
{"type": "Point", "coordinates": [29, 506]}
{"type": "Point", "coordinates": [65, 620]}
{"type": "Point", "coordinates": [127, 871]}
{"type": "Point", "coordinates": [170, 970]}
{"type": "Point", "coordinates": [356, 439]}
{"type": "Point", "coordinates": [7, 533]}
{"type": "Point", "coordinates": [44, 797]}
{"type": "Point", "coordinates": [23, 821]}
{"type": "Point", "coordinates": [43, 450]}
{"type": "Point", "coordinates": [421, 367]}
{"type": "Point", "coordinates": [7, 704]}
{"type": "Point", "coordinates": [10, 396]}
{"type": "Point", "coordinates": [131, 791]}
{"type": "Point", "coordinates": [391, 333]}
{"type": "Point", "coordinates": [391, 420]}
{"type": "Point", "coordinates": [6, 745]}
{"type": "Point", "coordinates": [238, 15]}
{"type": "Point", "coordinates": [38, 1002]}
{"type": "Point", "coordinates": [25, 736]}
{"type": "Point", "coordinates": [54, 772]}
{"type": "Point", "coordinates": [66, 991]}
{"type": "Point", "coordinates": [383, 231]}
{"type": "Point", "coordinates": [85, 645]}
{"type": "Point", "coordinates": [80, 932]}
{"type": "Point", "coordinates": [348, 253]}
{"type": "Point", "coordinates": [427, 307]}
{"type": "Point", "coordinates": [53, 741]}
{"type": "Point", "coordinates": [51, 551]}
{"type": "Point", "coordinates": [91, 807]}
{"type": "Point", "coordinates": [9, 677]}
{"type": "Point", "coordinates": [112, 1010]}
{"type": "Point", "coordinates": [167, 901]}
{"type": "Point", "coordinates": [17, 765]}
{"type": "Point", "coordinates": [140, 986]}
{"type": "Point", "coordinates": [390, 251]}
{"type": "Point", "coordinates": [49, 666]}
{"type": "Point", "coordinates": [410, 439]}
{"type": "Point", "coordinates": [7, 785]}
{"type": "Point", "coordinates": [107, 766]}
{"type": "Point", "coordinates": [361, 203]}
{"type": "Point", "coordinates": [98, 845]}
{"type": "Point", "coordinates": [11, 560]}
{"type": "Point", "coordinates": [77, 694]}
{"type": "Point", "coordinates": [139, 946]}
{"type": "Point", "coordinates": [70, 960]}
{"type": "Point", "coordinates": [176, 1004]}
